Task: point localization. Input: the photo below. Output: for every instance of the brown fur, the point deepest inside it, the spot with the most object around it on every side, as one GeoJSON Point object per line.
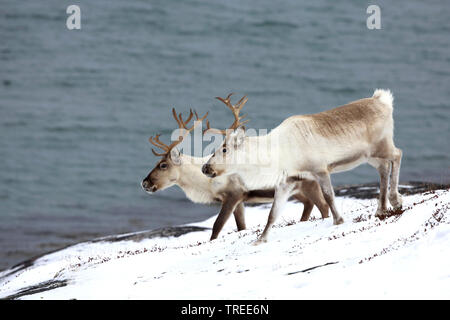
{"type": "Point", "coordinates": [307, 192]}
{"type": "Point", "coordinates": [234, 195]}
{"type": "Point", "coordinates": [347, 121]}
{"type": "Point", "coordinates": [344, 161]}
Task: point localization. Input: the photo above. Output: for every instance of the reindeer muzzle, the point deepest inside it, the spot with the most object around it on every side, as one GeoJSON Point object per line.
{"type": "Point", "coordinates": [208, 171]}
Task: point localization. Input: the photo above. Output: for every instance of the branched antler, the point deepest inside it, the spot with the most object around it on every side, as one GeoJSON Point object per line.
{"type": "Point", "coordinates": [235, 109]}
{"type": "Point", "coordinates": [158, 143]}
{"type": "Point", "coordinates": [202, 118]}
{"type": "Point", "coordinates": [179, 119]}
{"type": "Point", "coordinates": [182, 125]}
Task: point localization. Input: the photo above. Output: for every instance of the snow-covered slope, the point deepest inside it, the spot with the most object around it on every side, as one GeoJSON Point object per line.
{"type": "Point", "coordinates": [403, 256]}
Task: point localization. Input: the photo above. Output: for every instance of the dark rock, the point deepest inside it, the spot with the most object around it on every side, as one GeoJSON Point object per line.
{"type": "Point", "coordinates": [150, 234]}
{"type": "Point", "coordinates": [41, 287]}
{"type": "Point", "coordinates": [371, 190]}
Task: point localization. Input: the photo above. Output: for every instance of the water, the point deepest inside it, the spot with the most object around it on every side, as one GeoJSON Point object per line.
{"type": "Point", "coordinates": [77, 107]}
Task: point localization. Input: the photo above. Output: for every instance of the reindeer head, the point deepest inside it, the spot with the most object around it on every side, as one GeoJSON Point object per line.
{"type": "Point", "coordinates": [167, 171]}
{"type": "Point", "coordinates": [224, 158]}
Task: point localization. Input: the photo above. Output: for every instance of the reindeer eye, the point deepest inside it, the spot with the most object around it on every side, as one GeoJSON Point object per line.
{"type": "Point", "coordinates": [224, 150]}
{"type": "Point", "coordinates": [163, 166]}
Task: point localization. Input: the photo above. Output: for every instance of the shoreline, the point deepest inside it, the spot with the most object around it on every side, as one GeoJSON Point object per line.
{"type": "Point", "coordinates": [357, 191]}
{"type": "Point", "coordinates": [301, 260]}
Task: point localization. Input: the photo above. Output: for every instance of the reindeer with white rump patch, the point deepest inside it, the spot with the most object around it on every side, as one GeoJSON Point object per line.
{"type": "Point", "coordinates": [183, 170]}
{"type": "Point", "coordinates": [311, 147]}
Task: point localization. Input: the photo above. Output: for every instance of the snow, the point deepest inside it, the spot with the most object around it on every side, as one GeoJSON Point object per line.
{"type": "Point", "coordinates": [403, 256]}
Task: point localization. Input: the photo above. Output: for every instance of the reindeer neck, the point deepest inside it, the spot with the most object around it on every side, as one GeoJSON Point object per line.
{"type": "Point", "coordinates": [262, 171]}
{"type": "Point", "coordinates": [193, 182]}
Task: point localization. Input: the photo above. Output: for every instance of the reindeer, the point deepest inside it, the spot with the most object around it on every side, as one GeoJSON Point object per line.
{"type": "Point", "coordinates": [311, 147]}
{"type": "Point", "coordinates": [183, 170]}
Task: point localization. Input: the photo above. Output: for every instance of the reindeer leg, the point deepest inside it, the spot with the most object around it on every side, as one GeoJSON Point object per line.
{"type": "Point", "coordinates": [394, 196]}
{"type": "Point", "coordinates": [228, 206]}
{"type": "Point", "coordinates": [383, 166]}
{"type": "Point", "coordinates": [308, 205]}
{"type": "Point", "coordinates": [323, 208]}
{"type": "Point", "coordinates": [323, 178]}
{"type": "Point", "coordinates": [239, 216]}
{"type": "Point", "coordinates": [311, 190]}
{"type": "Point", "coordinates": [307, 208]}
{"type": "Point", "coordinates": [282, 193]}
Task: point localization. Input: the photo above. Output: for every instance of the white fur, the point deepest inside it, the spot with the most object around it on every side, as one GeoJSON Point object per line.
{"type": "Point", "coordinates": [198, 187]}
{"type": "Point", "coordinates": [385, 96]}
{"type": "Point", "coordinates": [314, 146]}
{"type": "Point", "coordinates": [298, 146]}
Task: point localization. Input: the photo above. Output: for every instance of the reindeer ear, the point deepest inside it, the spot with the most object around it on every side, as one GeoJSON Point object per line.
{"type": "Point", "coordinates": [237, 137]}
{"type": "Point", "coordinates": [175, 156]}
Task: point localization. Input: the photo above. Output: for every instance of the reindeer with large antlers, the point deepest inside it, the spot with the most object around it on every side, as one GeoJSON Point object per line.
{"type": "Point", "coordinates": [183, 170]}
{"type": "Point", "coordinates": [314, 146]}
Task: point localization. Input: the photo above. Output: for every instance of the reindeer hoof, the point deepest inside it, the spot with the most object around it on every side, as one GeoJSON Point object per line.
{"type": "Point", "coordinates": [381, 214]}
{"type": "Point", "coordinates": [396, 200]}
{"type": "Point", "coordinates": [259, 242]}
{"type": "Point", "coordinates": [339, 220]}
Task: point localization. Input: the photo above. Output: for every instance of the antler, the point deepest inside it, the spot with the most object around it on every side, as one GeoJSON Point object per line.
{"type": "Point", "coordinates": [202, 118]}
{"type": "Point", "coordinates": [182, 125]}
{"type": "Point", "coordinates": [158, 143]}
{"type": "Point", "coordinates": [236, 109]}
